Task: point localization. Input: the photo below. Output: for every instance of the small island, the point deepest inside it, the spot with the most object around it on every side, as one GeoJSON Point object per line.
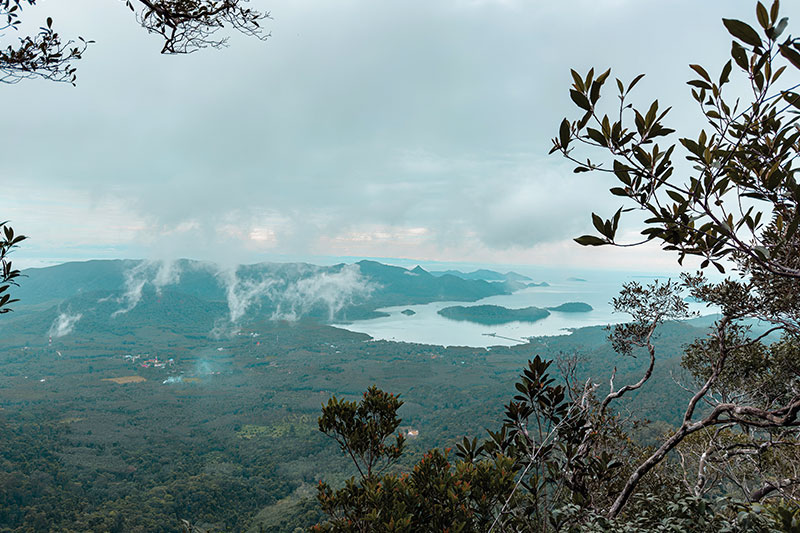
{"type": "Point", "coordinates": [576, 279]}
{"type": "Point", "coordinates": [408, 312]}
{"type": "Point", "coordinates": [572, 307]}
{"type": "Point", "coordinates": [490, 315]}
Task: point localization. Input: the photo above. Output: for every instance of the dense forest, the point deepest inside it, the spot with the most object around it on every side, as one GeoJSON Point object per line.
{"type": "Point", "coordinates": [223, 432]}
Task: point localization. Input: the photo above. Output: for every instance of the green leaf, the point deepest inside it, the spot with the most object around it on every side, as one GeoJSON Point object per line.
{"type": "Point", "coordinates": [563, 134]}
{"type": "Point", "coordinates": [578, 80]}
{"type": "Point", "coordinates": [692, 147]}
{"type": "Point", "coordinates": [651, 114]}
{"type": "Point", "coordinates": [675, 196]}
{"type": "Point", "coordinates": [701, 71]}
{"type": "Point", "coordinates": [596, 136]}
{"type": "Point", "coordinates": [580, 100]}
{"type": "Point", "coordinates": [762, 15]}
{"type": "Point", "coordinates": [588, 81]}
{"type": "Point", "coordinates": [742, 31]}
{"type": "Point", "coordinates": [699, 83]}
{"type": "Point", "coordinates": [594, 94]}
{"type": "Point", "coordinates": [791, 55]}
{"type": "Point", "coordinates": [739, 54]}
{"type": "Point", "coordinates": [590, 240]}
{"type": "Point", "coordinates": [725, 75]}
{"type": "Point", "coordinates": [597, 222]}
{"type": "Point", "coordinates": [792, 98]}
{"type": "Point", "coordinates": [634, 82]}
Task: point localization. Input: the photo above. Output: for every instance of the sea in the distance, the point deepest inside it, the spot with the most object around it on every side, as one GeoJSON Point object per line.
{"type": "Point", "coordinates": [426, 326]}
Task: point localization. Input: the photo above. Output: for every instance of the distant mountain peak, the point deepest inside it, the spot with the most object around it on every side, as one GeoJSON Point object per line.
{"type": "Point", "coordinates": [482, 274]}
{"type": "Point", "coordinates": [513, 276]}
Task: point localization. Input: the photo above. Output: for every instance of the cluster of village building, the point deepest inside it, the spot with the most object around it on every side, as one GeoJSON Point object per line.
{"type": "Point", "coordinates": [150, 362]}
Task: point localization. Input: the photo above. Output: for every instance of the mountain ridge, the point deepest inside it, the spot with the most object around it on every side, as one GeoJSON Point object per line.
{"type": "Point", "coordinates": [123, 294]}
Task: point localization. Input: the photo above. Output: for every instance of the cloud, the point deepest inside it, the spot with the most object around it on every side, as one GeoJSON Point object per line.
{"type": "Point", "coordinates": [333, 290]}
{"type": "Point", "coordinates": [168, 273]}
{"type": "Point", "coordinates": [292, 296]}
{"type": "Point", "coordinates": [135, 281]}
{"type": "Point", "coordinates": [156, 273]}
{"type": "Point", "coordinates": [340, 124]}
{"type": "Point", "coordinates": [64, 324]}
{"type": "Point", "coordinates": [243, 294]}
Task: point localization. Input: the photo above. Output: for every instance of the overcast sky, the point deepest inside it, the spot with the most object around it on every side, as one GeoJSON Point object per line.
{"type": "Point", "coordinates": [408, 129]}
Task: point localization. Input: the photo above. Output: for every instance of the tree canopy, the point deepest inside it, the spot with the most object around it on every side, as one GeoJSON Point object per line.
{"type": "Point", "coordinates": [737, 205]}
{"type": "Point", "coordinates": [184, 26]}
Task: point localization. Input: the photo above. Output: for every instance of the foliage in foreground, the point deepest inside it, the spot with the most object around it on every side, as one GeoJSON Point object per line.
{"type": "Point", "coordinates": [563, 459]}
{"type": "Point", "coordinates": [8, 274]}
{"type": "Point", "coordinates": [512, 481]}
{"type": "Point", "coordinates": [184, 26]}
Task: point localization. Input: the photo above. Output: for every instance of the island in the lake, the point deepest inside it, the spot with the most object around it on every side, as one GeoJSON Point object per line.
{"type": "Point", "coordinates": [493, 314]}
{"type": "Point", "coordinates": [572, 307]}
{"type": "Point", "coordinates": [490, 315]}
{"type": "Point", "coordinates": [408, 312]}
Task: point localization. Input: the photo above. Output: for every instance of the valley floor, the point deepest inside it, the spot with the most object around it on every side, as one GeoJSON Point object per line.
{"type": "Point", "coordinates": [223, 433]}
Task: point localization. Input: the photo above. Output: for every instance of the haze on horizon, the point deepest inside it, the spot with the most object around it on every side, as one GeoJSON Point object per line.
{"type": "Point", "coordinates": [414, 130]}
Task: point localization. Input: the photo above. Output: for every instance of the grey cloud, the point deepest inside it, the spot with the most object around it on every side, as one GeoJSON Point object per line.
{"type": "Point", "coordinates": [354, 115]}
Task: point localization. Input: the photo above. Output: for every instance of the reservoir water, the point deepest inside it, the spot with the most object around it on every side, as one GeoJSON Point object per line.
{"type": "Point", "coordinates": [426, 326]}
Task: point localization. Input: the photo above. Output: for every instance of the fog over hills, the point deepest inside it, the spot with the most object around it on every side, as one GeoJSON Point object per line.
{"type": "Point", "coordinates": [120, 295]}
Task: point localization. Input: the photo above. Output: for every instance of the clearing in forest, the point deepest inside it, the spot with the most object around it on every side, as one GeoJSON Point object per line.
{"type": "Point", "coordinates": [126, 379]}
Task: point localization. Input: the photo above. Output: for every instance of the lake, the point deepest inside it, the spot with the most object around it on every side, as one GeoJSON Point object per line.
{"type": "Point", "coordinates": [426, 326]}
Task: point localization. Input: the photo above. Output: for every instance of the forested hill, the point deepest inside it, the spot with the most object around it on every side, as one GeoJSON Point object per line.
{"type": "Point", "coordinates": [493, 314]}
{"type": "Point", "coordinates": [111, 295]}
